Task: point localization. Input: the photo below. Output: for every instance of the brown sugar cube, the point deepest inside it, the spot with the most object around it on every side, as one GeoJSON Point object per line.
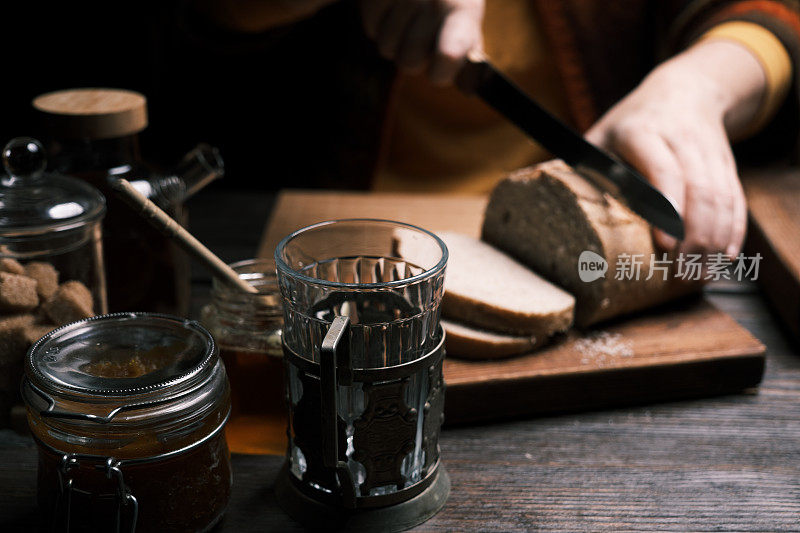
{"type": "Point", "coordinates": [17, 293]}
{"type": "Point", "coordinates": [12, 266]}
{"type": "Point", "coordinates": [81, 293]}
{"type": "Point", "coordinates": [13, 342]}
{"type": "Point", "coordinates": [46, 278]}
{"type": "Point", "coordinates": [72, 301]}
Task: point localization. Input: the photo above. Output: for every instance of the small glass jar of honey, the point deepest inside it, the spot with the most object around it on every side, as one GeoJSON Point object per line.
{"type": "Point", "coordinates": [128, 412]}
{"type": "Point", "coordinates": [248, 330]}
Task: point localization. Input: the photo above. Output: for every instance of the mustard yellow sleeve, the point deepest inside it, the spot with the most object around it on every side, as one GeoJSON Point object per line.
{"type": "Point", "coordinates": [772, 56]}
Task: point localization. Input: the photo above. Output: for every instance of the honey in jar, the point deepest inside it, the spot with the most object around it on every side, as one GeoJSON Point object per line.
{"type": "Point", "coordinates": [247, 328]}
{"type": "Point", "coordinates": [128, 412]}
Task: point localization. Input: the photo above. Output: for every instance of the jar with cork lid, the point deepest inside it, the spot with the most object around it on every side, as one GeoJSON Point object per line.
{"type": "Point", "coordinates": [51, 259]}
{"type": "Point", "coordinates": [93, 134]}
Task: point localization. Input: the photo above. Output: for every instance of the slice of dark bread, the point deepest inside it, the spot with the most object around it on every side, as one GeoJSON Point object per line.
{"type": "Point", "coordinates": [547, 215]}
{"type": "Point", "coordinates": [488, 289]}
{"type": "Point", "coordinates": [469, 343]}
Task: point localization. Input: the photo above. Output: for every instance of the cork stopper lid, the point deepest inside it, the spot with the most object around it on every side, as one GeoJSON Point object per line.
{"type": "Point", "coordinates": [93, 113]}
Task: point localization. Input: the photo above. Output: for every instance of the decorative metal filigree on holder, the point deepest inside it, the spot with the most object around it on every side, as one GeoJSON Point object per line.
{"type": "Point", "coordinates": [384, 434]}
{"type": "Point", "coordinates": [380, 443]}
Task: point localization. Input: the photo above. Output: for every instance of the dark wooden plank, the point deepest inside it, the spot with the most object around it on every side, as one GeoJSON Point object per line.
{"type": "Point", "coordinates": [773, 199]}
{"type": "Point", "coordinates": [727, 463]}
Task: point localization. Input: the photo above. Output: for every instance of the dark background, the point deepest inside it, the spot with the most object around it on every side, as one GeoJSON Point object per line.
{"type": "Point", "coordinates": [268, 101]}
{"type": "Point", "coordinates": [297, 106]}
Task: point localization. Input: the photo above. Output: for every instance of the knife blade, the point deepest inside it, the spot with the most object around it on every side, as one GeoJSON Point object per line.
{"type": "Point", "coordinates": [606, 171]}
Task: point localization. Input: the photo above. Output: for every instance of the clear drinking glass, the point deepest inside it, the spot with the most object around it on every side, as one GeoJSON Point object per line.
{"type": "Point", "coordinates": [387, 278]}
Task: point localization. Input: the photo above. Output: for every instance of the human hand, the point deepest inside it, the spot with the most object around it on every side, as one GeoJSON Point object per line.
{"type": "Point", "coordinates": [674, 129]}
{"type": "Point", "coordinates": [435, 35]}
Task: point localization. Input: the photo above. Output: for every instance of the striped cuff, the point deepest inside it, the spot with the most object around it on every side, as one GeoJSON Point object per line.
{"type": "Point", "coordinates": [772, 56]}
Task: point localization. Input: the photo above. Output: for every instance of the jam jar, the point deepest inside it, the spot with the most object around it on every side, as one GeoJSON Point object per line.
{"type": "Point", "coordinates": [51, 259]}
{"type": "Point", "coordinates": [128, 412]}
{"type": "Point", "coordinates": [248, 330]}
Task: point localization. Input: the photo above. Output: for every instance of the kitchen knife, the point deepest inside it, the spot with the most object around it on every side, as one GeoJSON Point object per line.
{"type": "Point", "coordinates": [608, 172]}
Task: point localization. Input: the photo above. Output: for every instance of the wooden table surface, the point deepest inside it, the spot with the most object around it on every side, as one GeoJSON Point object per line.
{"type": "Point", "coordinates": [728, 463]}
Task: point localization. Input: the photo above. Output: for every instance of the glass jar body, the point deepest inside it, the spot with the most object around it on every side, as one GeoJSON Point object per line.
{"type": "Point", "coordinates": [76, 254]}
{"type": "Point", "coordinates": [247, 328]}
{"type": "Point", "coordinates": [178, 470]}
{"type": "Point", "coordinates": [158, 279]}
{"type": "Point", "coordinates": [73, 255]}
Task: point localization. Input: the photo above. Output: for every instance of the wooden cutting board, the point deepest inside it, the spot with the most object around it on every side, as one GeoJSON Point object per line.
{"type": "Point", "coordinates": [773, 198]}
{"type": "Point", "coordinates": [687, 349]}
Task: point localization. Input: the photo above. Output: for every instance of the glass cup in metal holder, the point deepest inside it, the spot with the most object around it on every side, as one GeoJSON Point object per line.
{"type": "Point", "coordinates": [363, 352]}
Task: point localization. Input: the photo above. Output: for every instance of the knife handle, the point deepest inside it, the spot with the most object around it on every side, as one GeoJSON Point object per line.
{"type": "Point", "coordinates": [473, 73]}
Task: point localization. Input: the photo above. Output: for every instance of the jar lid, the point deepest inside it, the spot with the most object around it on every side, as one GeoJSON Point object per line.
{"type": "Point", "coordinates": [122, 355]}
{"type": "Point", "coordinates": [93, 113]}
{"type": "Point", "coordinates": [35, 201]}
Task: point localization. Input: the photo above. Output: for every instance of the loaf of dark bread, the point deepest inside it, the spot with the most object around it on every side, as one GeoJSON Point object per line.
{"type": "Point", "coordinates": [546, 216]}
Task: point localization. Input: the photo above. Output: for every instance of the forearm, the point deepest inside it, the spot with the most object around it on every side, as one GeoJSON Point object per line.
{"type": "Point", "coordinates": [735, 81]}
{"type": "Point", "coordinates": [253, 16]}
{"type": "Point", "coordinates": [748, 44]}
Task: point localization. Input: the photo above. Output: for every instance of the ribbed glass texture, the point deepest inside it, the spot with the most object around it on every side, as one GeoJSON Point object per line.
{"type": "Point", "coordinates": [386, 276]}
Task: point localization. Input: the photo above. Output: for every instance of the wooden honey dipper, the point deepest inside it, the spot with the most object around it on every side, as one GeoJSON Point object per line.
{"type": "Point", "coordinates": [170, 228]}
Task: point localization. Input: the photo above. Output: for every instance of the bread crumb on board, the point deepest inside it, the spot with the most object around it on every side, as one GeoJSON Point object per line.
{"type": "Point", "coordinates": [601, 348]}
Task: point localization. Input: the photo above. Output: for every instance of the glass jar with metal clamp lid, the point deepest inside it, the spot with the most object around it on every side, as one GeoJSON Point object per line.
{"type": "Point", "coordinates": [128, 411]}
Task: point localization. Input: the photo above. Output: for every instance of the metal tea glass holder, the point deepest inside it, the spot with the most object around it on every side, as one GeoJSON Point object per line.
{"type": "Point", "coordinates": [383, 436]}
{"type": "Point", "coordinates": [363, 353]}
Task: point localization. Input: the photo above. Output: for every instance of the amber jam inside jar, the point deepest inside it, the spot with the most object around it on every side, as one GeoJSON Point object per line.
{"type": "Point", "coordinates": [128, 411]}
{"type": "Point", "coordinates": [248, 329]}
